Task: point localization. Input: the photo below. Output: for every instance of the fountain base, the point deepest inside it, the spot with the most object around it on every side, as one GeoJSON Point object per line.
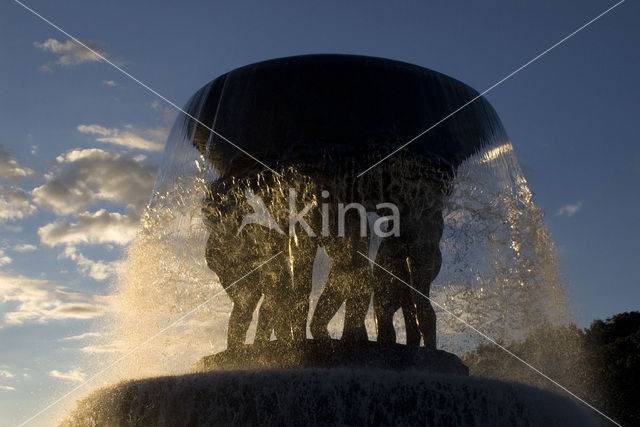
{"type": "Point", "coordinates": [332, 354]}
{"type": "Point", "coordinates": [335, 396]}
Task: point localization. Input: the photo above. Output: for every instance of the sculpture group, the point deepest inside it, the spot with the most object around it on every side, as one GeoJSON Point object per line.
{"type": "Point", "coordinates": [315, 125]}
{"type": "Point", "coordinates": [408, 261]}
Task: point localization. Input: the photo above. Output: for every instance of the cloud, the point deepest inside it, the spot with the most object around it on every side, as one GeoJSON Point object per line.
{"type": "Point", "coordinates": [7, 388]}
{"type": "Point", "coordinates": [11, 169]}
{"type": "Point", "coordinates": [118, 346]}
{"type": "Point", "coordinates": [110, 83]}
{"type": "Point", "coordinates": [84, 177]}
{"type": "Point", "coordinates": [42, 301]}
{"type": "Point", "coordinates": [570, 209]}
{"type": "Point", "coordinates": [100, 227]}
{"type": "Point", "coordinates": [24, 247]}
{"type": "Point", "coordinates": [169, 114]}
{"type": "Point", "coordinates": [4, 259]}
{"type": "Point", "coordinates": [76, 375]}
{"type": "Point", "coordinates": [97, 270]}
{"type": "Point", "coordinates": [15, 203]}
{"type": "Point", "coordinates": [149, 140]}
{"type": "Point", "coordinates": [5, 374]}
{"type": "Point", "coordinates": [70, 52]}
{"type": "Point", "coordinates": [82, 336]}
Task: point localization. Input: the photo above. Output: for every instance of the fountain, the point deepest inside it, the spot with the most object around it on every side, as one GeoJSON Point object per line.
{"type": "Point", "coordinates": [267, 198]}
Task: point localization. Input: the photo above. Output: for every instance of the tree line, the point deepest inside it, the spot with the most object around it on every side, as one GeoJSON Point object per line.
{"type": "Point", "coordinates": [601, 363]}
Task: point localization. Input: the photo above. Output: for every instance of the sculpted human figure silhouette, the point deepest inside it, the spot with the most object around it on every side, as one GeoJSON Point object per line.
{"type": "Point", "coordinates": [411, 260]}
{"type": "Point", "coordinates": [233, 250]}
{"type": "Point", "coordinates": [416, 265]}
{"type": "Point", "coordinates": [301, 250]}
{"type": "Point", "coordinates": [349, 283]}
{"type": "Point", "coordinates": [390, 294]}
{"type": "Point", "coordinates": [344, 234]}
{"type": "Point", "coordinates": [248, 223]}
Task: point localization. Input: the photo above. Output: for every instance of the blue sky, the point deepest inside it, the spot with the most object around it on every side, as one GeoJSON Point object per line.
{"type": "Point", "coordinates": [81, 142]}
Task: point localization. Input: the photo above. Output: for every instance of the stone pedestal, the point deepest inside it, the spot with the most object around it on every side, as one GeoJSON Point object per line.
{"type": "Point", "coordinates": [321, 396]}
{"type": "Point", "coordinates": [334, 354]}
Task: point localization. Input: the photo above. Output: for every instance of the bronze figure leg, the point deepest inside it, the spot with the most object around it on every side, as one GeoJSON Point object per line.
{"type": "Point", "coordinates": [245, 302]}
{"type": "Point", "coordinates": [425, 260]}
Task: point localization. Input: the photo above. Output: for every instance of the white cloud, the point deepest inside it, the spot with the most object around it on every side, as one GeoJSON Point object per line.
{"type": "Point", "coordinates": [100, 227]}
{"type": "Point", "coordinates": [570, 209]}
{"type": "Point", "coordinates": [82, 336]}
{"type": "Point", "coordinates": [7, 388]}
{"type": "Point", "coordinates": [24, 247]}
{"type": "Point", "coordinates": [11, 169]}
{"type": "Point", "coordinates": [76, 375]}
{"type": "Point", "coordinates": [97, 270]}
{"type": "Point", "coordinates": [70, 52]}
{"type": "Point", "coordinates": [118, 346]}
{"type": "Point", "coordinates": [42, 301]}
{"type": "Point", "coordinates": [149, 140]}
{"type": "Point", "coordinates": [84, 177]}
{"type": "Point", "coordinates": [4, 259]}
{"type": "Point", "coordinates": [15, 203]}
{"type": "Point", "coordinates": [5, 374]}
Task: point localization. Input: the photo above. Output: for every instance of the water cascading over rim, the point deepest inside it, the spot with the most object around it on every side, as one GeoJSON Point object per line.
{"type": "Point", "coordinates": [322, 109]}
{"type": "Point", "coordinates": [326, 118]}
{"type": "Point", "coordinates": [338, 113]}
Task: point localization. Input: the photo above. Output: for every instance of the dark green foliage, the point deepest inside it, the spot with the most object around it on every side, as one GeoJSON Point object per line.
{"type": "Point", "coordinates": [613, 350]}
{"type": "Point", "coordinates": [600, 364]}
